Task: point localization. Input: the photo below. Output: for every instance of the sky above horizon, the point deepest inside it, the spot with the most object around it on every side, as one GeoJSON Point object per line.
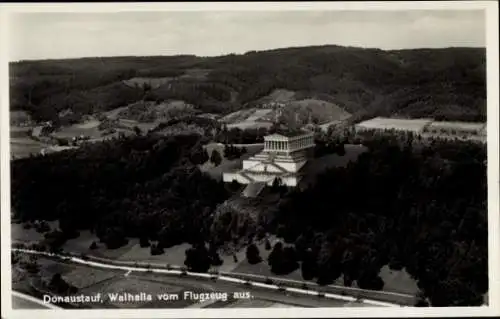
{"type": "Point", "coordinates": [34, 36]}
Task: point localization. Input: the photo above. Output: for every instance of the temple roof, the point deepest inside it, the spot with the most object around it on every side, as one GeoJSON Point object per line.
{"type": "Point", "coordinates": [291, 132]}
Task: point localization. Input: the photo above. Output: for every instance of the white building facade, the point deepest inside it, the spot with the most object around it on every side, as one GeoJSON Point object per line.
{"type": "Point", "coordinates": [283, 157]}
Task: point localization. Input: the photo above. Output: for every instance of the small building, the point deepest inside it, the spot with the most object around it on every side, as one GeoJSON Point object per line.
{"type": "Point", "coordinates": [37, 131]}
{"type": "Point", "coordinates": [285, 154]}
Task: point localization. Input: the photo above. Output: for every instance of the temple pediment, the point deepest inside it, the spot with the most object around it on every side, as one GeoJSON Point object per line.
{"type": "Point", "coordinates": [276, 136]}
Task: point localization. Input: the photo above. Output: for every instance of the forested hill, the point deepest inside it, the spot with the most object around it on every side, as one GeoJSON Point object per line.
{"type": "Point", "coordinates": [441, 83]}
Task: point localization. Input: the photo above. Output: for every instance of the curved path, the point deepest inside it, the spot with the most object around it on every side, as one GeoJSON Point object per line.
{"type": "Point", "coordinates": [224, 278]}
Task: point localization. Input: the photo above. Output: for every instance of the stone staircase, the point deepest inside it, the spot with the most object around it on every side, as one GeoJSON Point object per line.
{"type": "Point", "coordinates": [253, 189]}
{"type": "Point", "coordinates": [245, 175]}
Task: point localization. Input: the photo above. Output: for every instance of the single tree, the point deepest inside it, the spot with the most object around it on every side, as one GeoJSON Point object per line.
{"type": "Point", "coordinates": [267, 245]}
{"type": "Point", "coordinates": [253, 254]}
{"type": "Point", "coordinates": [197, 258]}
{"type": "Point", "coordinates": [215, 158]}
{"type": "Point", "coordinates": [144, 242]}
{"type": "Point", "coordinates": [156, 249]}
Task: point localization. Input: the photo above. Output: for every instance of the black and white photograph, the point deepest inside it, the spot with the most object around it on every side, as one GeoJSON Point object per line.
{"type": "Point", "coordinates": [255, 159]}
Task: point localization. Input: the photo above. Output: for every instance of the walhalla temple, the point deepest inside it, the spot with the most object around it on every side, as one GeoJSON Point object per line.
{"type": "Point", "coordinates": [284, 155]}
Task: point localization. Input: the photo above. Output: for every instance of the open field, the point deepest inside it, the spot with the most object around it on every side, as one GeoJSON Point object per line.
{"type": "Point", "coordinates": [380, 123]}
{"type": "Point", "coordinates": [24, 146]}
{"type": "Point", "coordinates": [113, 114]}
{"type": "Point", "coordinates": [20, 303]}
{"type": "Point", "coordinates": [238, 116]}
{"type": "Point", "coordinates": [280, 95]}
{"type": "Point", "coordinates": [248, 118]}
{"type": "Point", "coordinates": [304, 110]}
{"type": "Point", "coordinates": [18, 233]}
{"type": "Point", "coordinates": [18, 117]}
{"type": "Point", "coordinates": [50, 267]}
{"type": "Point", "coordinates": [153, 82]}
{"type": "Point", "coordinates": [196, 74]}
{"type": "Point", "coordinates": [319, 110]}
{"type": "Point", "coordinates": [19, 131]}
{"type": "Point", "coordinates": [465, 126]}
{"type": "Point", "coordinates": [146, 112]}
{"type": "Point", "coordinates": [263, 268]}
{"type": "Point", "coordinates": [398, 281]}
{"type": "Point", "coordinates": [174, 255]}
{"type": "Point", "coordinates": [89, 128]}
{"type": "Point", "coordinates": [428, 128]}
{"type": "Point", "coordinates": [245, 125]}
{"type": "Point", "coordinates": [82, 277]}
{"type": "Point", "coordinates": [21, 147]}
{"type": "Point", "coordinates": [82, 243]}
{"type": "Point", "coordinates": [324, 127]}
{"type": "Point", "coordinates": [130, 124]}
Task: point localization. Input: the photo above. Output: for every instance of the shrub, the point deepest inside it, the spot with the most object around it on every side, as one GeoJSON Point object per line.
{"type": "Point", "coordinates": [253, 255]}
{"type": "Point", "coordinates": [267, 244]}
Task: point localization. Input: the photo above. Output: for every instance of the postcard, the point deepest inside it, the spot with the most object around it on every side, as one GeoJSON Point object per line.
{"type": "Point", "coordinates": [296, 159]}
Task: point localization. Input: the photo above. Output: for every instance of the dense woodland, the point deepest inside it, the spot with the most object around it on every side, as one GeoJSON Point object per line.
{"type": "Point", "coordinates": [440, 83]}
{"type": "Point", "coordinates": [128, 187]}
{"type": "Point", "coordinates": [403, 203]}
{"type": "Point", "coordinates": [421, 208]}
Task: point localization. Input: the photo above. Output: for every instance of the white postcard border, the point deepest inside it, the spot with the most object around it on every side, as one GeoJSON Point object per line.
{"type": "Point", "coordinates": [491, 10]}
